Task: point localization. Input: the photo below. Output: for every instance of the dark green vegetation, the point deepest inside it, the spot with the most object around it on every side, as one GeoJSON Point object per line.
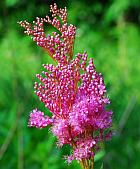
{"type": "Point", "coordinates": [109, 31]}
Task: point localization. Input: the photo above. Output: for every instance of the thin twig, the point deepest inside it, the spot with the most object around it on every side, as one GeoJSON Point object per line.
{"type": "Point", "coordinates": [20, 147]}
{"type": "Point", "coordinates": [9, 136]}
{"type": "Point", "coordinates": [127, 113]}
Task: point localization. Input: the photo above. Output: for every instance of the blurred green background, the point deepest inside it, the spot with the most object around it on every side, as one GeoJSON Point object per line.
{"type": "Point", "coordinates": [110, 32]}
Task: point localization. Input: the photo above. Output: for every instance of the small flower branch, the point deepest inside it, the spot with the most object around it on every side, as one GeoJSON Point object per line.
{"type": "Point", "coordinates": [58, 46]}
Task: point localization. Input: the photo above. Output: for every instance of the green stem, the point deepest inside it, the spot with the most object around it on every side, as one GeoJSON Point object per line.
{"type": "Point", "coordinates": [86, 164]}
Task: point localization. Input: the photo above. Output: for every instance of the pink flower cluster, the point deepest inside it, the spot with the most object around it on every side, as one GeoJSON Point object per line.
{"type": "Point", "coordinates": [72, 90]}
{"type": "Point", "coordinates": [38, 119]}
{"type": "Point", "coordinates": [60, 50]}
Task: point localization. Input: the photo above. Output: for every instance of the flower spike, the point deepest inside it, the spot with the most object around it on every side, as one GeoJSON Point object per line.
{"type": "Point", "coordinates": [72, 90]}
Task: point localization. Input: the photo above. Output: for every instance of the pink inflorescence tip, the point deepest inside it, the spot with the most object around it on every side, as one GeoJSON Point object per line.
{"type": "Point", "coordinates": [72, 90]}
{"type": "Point", "coordinates": [58, 46]}
{"type": "Point", "coordinates": [38, 120]}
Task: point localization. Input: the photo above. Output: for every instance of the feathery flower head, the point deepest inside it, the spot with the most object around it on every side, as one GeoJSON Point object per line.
{"type": "Point", "coordinates": [58, 49]}
{"type": "Point", "coordinates": [72, 90]}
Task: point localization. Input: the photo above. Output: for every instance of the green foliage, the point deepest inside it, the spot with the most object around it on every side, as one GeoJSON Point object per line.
{"type": "Point", "coordinates": [11, 2]}
{"type": "Point", "coordinates": [110, 33]}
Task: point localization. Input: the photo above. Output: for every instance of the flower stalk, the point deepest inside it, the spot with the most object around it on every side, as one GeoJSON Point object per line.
{"type": "Point", "coordinates": [72, 90]}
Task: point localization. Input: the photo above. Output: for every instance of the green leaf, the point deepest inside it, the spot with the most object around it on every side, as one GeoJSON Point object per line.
{"type": "Point", "coordinates": [99, 155]}
{"type": "Point", "coordinates": [101, 166]}
{"type": "Point", "coordinates": [10, 3]}
{"type": "Point", "coordinates": [116, 9]}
